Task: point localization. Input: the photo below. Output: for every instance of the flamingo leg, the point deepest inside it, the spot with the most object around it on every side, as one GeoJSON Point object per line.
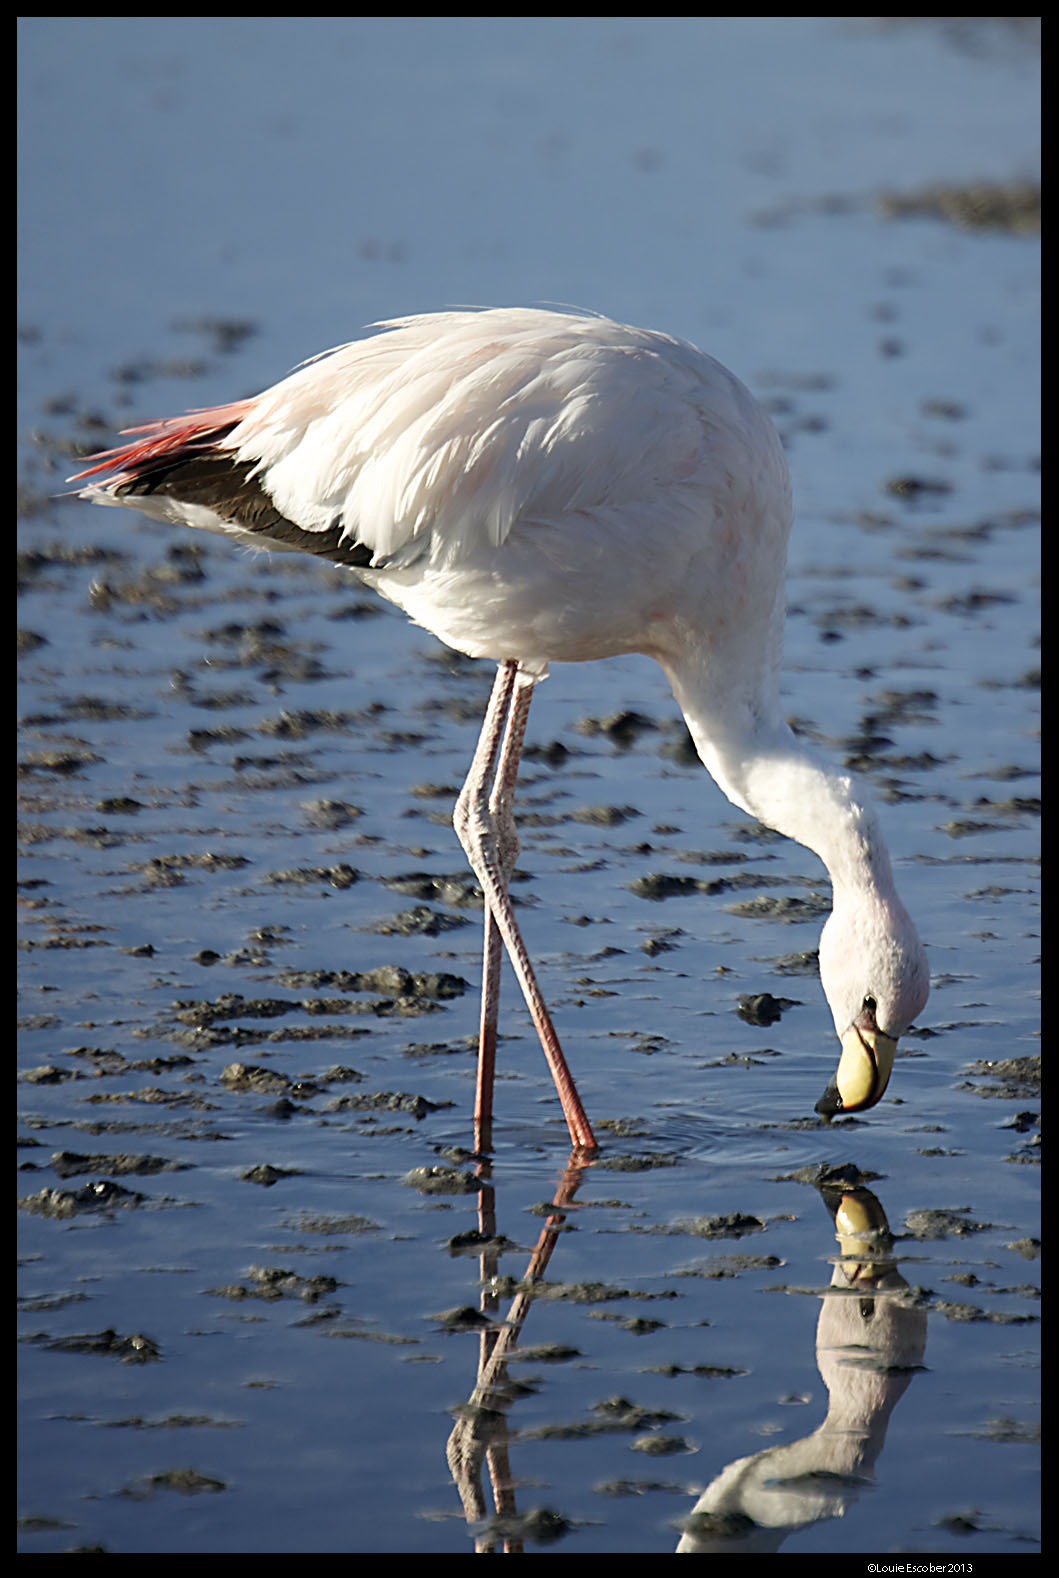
{"type": "Point", "coordinates": [492, 954]}
{"type": "Point", "coordinates": [516, 698]}
{"type": "Point", "coordinates": [485, 825]}
{"type": "Point", "coordinates": [482, 766]}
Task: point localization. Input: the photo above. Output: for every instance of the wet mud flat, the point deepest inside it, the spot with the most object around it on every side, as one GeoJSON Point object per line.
{"type": "Point", "coordinates": [270, 1299]}
{"type": "Point", "coordinates": [249, 978]}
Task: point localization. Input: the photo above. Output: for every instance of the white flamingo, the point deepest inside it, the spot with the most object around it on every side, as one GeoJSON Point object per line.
{"type": "Point", "coordinates": [536, 487]}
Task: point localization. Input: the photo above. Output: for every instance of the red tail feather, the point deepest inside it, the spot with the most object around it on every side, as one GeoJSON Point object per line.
{"type": "Point", "coordinates": [171, 436]}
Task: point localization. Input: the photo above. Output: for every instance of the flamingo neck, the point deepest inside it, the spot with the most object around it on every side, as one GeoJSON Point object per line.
{"type": "Point", "coordinates": [762, 767]}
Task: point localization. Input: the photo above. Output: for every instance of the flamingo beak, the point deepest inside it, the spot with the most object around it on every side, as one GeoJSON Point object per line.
{"type": "Point", "coordinates": [864, 1069]}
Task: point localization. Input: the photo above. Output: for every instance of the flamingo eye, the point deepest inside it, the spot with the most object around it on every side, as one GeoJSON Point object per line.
{"type": "Point", "coordinates": [870, 1004]}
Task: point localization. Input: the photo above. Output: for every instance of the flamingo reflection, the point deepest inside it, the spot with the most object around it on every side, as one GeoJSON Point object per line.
{"type": "Point", "coordinates": [870, 1341]}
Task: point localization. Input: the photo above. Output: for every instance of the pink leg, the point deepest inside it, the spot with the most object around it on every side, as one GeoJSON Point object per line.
{"type": "Point", "coordinates": [474, 790]}
{"type": "Point", "coordinates": [485, 825]}
{"type": "Point", "coordinates": [483, 1093]}
{"type": "Point", "coordinates": [515, 700]}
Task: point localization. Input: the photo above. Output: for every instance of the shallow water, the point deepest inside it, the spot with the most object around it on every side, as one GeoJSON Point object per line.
{"type": "Point", "coordinates": [237, 775]}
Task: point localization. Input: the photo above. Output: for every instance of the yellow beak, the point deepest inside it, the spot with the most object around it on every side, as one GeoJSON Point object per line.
{"type": "Point", "coordinates": [863, 1070]}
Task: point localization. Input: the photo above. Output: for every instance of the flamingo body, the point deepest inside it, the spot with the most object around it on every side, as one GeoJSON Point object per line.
{"type": "Point", "coordinates": [535, 487]}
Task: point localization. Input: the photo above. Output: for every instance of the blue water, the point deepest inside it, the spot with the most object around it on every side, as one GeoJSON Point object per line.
{"type": "Point", "coordinates": [716, 178]}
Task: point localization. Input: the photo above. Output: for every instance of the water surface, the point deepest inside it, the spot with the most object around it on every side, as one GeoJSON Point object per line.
{"type": "Point", "coordinates": [253, 1308]}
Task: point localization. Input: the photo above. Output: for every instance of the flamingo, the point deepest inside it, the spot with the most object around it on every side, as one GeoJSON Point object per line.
{"type": "Point", "coordinates": [533, 487]}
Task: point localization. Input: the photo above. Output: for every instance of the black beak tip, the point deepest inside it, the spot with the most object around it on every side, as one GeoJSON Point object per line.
{"type": "Point", "coordinates": [830, 1102]}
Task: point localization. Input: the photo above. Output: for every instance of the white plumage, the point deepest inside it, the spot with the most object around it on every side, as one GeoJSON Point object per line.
{"type": "Point", "coordinates": [535, 487]}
